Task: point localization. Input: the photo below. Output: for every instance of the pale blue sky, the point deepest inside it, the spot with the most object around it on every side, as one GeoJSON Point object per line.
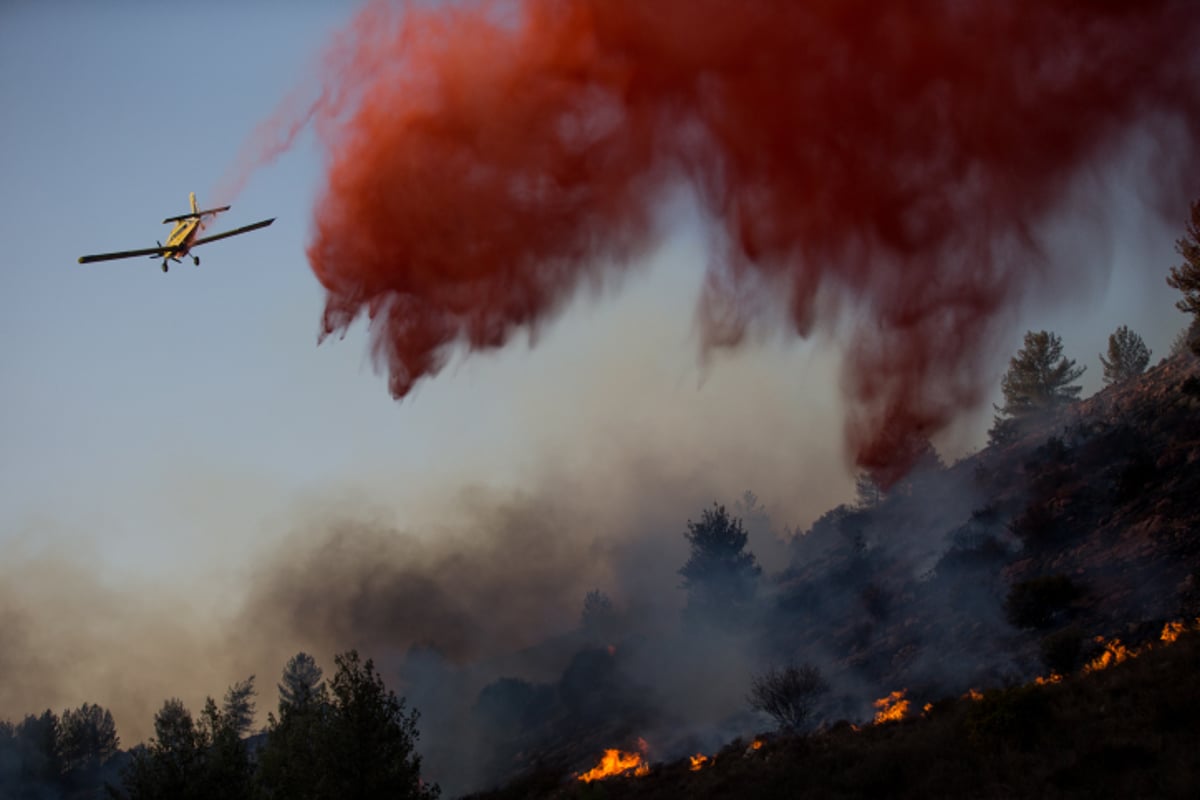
{"type": "Point", "coordinates": [117, 377]}
{"type": "Point", "coordinates": [151, 422]}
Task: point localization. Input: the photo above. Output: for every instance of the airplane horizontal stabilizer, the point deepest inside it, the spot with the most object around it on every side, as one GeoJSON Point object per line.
{"type": "Point", "coordinates": [196, 214]}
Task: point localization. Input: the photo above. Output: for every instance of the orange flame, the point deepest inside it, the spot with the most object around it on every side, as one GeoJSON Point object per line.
{"type": "Point", "coordinates": [756, 744]}
{"type": "Point", "coordinates": [926, 709]}
{"type": "Point", "coordinates": [698, 762]}
{"type": "Point", "coordinates": [1114, 653]}
{"type": "Point", "coordinates": [973, 694]}
{"type": "Point", "coordinates": [1171, 631]}
{"type": "Point", "coordinates": [616, 762]}
{"type": "Point", "coordinates": [891, 708]}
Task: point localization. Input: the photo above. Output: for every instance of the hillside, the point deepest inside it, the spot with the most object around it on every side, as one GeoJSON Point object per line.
{"type": "Point", "coordinates": [1013, 563]}
{"type": "Point", "coordinates": [1128, 730]}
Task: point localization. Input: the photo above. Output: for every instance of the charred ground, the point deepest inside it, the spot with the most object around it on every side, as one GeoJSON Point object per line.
{"type": "Point", "coordinates": [1124, 731]}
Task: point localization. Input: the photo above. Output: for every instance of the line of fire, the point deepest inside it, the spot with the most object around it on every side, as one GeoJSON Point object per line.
{"type": "Point", "coordinates": [894, 707]}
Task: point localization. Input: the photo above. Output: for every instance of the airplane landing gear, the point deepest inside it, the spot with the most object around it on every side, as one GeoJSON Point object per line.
{"type": "Point", "coordinates": [196, 260]}
{"type": "Point", "coordinates": [164, 266]}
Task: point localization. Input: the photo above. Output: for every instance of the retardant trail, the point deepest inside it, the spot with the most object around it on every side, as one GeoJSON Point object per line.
{"type": "Point", "coordinates": [486, 160]}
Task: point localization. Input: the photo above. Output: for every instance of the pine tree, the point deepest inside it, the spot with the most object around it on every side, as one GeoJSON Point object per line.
{"type": "Point", "coordinates": [290, 761]}
{"type": "Point", "coordinates": [352, 739]}
{"type": "Point", "coordinates": [1039, 378]}
{"type": "Point", "coordinates": [87, 737]}
{"type": "Point", "coordinates": [598, 616]}
{"type": "Point", "coordinates": [189, 758]}
{"type": "Point", "coordinates": [171, 765]}
{"type": "Point", "coordinates": [1186, 276]}
{"type": "Point", "coordinates": [720, 576]}
{"type": "Point", "coordinates": [302, 684]}
{"type": "Point", "coordinates": [228, 771]}
{"type": "Point", "coordinates": [1127, 356]}
{"type": "Point", "coordinates": [867, 491]}
{"type": "Point", "coordinates": [370, 743]}
{"type": "Point", "coordinates": [238, 708]}
{"type": "Point", "coordinates": [1186, 338]}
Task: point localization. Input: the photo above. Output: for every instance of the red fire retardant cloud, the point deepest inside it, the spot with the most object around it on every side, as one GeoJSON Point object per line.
{"type": "Point", "coordinates": [887, 160]}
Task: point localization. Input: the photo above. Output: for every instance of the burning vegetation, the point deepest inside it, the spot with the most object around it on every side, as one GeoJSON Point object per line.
{"type": "Point", "coordinates": [616, 763]}
{"type": "Point", "coordinates": [1023, 738]}
{"type": "Point", "coordinates": [891, 708]}
{"type": "Point", "coordinates": [619, 763]}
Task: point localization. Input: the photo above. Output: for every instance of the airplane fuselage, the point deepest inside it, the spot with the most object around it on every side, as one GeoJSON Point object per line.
{"type": "Point", "coordinates": [179, 242]}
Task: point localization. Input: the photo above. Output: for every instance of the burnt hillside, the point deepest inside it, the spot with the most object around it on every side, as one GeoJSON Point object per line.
{"type": "Point", "coordinates": [947, 584]}
{"type": "Point", "coordinates": [1125, 731]}
{"type": "Point", "coordinates": [1016, 562]}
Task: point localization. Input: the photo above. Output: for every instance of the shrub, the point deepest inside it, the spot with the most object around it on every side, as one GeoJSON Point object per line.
{"type": "Point", "coordinates": [1018, 716]}
{"type": "Point", "coordinates": [1060, 650]}
{"type": "Point", "coordinates": [1133, 477]}
{"type": "Point", "coordinates": [789, 694]}
{"type": "Point", "coordinates": [1037, 603]}
{"type": "Point", "coordinates": [1035, 525]}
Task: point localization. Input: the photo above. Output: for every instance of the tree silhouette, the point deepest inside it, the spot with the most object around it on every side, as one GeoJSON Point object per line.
{"type": "Point", "coordinates": [867, 492]}
{"type": "Point", "coordinates": [1038, 379]}
{"type": "Point", "coordinates": [1127, 356]}
{"type": "Point", "coordinates": [1186, 276]}
{"type": "Point", "coordinates": [228, 771]}
{"type": "Point", "coordinates": [789, 694]}
{"type": "Point", "coordinates": [30, 761]}
{"type": "Point", "coordinates": [352, 739]}
{"type": "Point", "coordinates": [189, 759]}
{"type": "Point", "coordinates": [301, 685]}
{"type": "Point", "coordinates": [237, 712]}
{"type": "Point", "coordinates": [1187, 339]}
{"type": "Point", "coordinates": [720, 576]}
{"type": "Point", "coordinates": [290, 762]}
{"type": "Point", "coordinates": [171, 764]}
{"type": "Point", "coordinates": [370, 743]}
{"type": "Point", "coordinates": [598, 616]}
{"type": "Point", "coordinates": [87, 738]}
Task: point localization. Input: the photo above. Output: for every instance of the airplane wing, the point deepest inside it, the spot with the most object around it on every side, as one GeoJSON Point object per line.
{"type": "Point", "coordinates": [150, 251]}
{"type": "Point", "coordinates": [234, 232]}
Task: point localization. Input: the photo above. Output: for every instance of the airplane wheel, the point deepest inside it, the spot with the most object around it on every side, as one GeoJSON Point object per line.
{"type": "Point", "coordinates": [196, 260]}
{"type": "Point", "coordinates": [164, 266]}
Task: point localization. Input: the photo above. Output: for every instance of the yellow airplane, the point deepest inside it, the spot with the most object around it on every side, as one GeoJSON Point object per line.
{"type": "Point", "coordinates": [182, 238]}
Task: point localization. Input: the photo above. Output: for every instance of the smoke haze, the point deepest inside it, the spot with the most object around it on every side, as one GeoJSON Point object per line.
{"type": "Point", "coordinates": [487, 161]}
{"type": "Point", "coordinates": [473, 565]}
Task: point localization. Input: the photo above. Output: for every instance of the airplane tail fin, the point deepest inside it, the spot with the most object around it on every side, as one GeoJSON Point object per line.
{"type": "Point", "coordinates": [192, 198]}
